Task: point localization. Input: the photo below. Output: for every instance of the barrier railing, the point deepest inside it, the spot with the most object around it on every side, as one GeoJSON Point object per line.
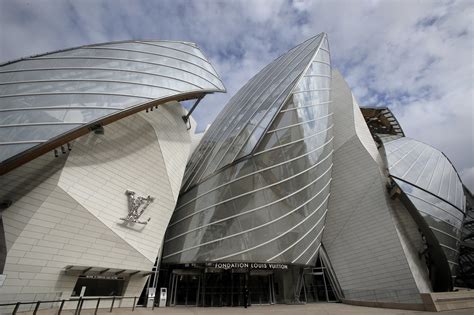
{"type": "Point", "coordinates": [78, 302]}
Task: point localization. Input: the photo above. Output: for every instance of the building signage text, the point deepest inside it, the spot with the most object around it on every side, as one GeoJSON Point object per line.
{"type": "Point", "coordinates": [103, 277]}
{"type": "Point", "coordinates": [249, 265]}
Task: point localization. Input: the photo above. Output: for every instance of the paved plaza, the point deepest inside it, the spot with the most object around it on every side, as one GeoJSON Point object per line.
{"type": "Point", "coordinates": [308, 309]}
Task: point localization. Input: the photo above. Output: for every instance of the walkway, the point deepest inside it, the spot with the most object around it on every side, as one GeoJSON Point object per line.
{"type": "Point", "coordinates": [307, 309]}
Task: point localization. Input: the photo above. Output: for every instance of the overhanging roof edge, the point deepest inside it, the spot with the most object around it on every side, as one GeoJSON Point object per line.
{"type": "Point", "coordinates": [53, 143]}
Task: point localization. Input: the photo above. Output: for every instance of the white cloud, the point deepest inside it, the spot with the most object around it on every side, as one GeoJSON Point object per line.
{"type": "Point", "coordinates": [413, 56]}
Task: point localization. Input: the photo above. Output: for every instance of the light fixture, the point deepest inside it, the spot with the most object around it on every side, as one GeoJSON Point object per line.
{"type": "Point", "coordinates": [99, 131]}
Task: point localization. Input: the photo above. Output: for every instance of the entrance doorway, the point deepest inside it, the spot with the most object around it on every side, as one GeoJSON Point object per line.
{"type": "Point", "coordinates": [223, 289]}
{"type": "Point", "coordinates": [227, 288]}
{"type": "Point", "coordinates": [317, 287]}
{"type": "Point", "coordinates": [261, 287]}
{"type": "Point", "coordinates": [185, 285]}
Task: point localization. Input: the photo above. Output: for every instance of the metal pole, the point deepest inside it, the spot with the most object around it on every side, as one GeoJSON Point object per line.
{"type": "Point", "coordinates": [186, 118]}
{"type": "Point", "coordinates": [97, 306]}
{"type": "Point", "coordinates": [325, 287]}
{"type": "Point", "coordinates": [36, 307]}
{"type": "Point", "coordinates": [61, 307]}
{"type": "Point", "coordinates": [157, 269]}
{"type": "Point", "coordinates": [80, 307]}
{"type": "Point", "coordinates": [147, 289]}
{"type": "Point", "coordinates": [17, 306]}
{"type": "Point", "coordinates": [77, 306]}
{"type": "Point", "coordinates": [112, 305]}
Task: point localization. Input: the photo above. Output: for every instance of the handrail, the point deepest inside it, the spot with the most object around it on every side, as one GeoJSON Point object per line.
{"type": "Point", "coordinates": [80, 303]}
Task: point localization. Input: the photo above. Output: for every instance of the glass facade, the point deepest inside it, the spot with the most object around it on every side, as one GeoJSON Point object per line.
{"type": "Point", "coordinates": [433, 187]}
{"type": "Point", "coordinates": [443, 219]}
{"type": "Point", "coordinates": [425, 167]}
{"type": "Point", "coordinates": [258, 184]}
{"type": "Point", "coordinates": [242, 122]}
{"type": "Point", "coordinates": [46, 96]}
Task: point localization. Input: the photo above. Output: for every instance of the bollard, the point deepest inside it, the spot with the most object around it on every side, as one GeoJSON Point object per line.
{"type": "Point", "coordinates": [36, 307]}
{"type": "Point", "coordinates": [112, 305]}
{"type": "Point", "coordinates": [97, 306]}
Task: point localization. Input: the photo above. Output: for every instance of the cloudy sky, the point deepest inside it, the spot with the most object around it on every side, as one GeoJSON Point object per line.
{"type": "Point", "coordinates": [415, 57]}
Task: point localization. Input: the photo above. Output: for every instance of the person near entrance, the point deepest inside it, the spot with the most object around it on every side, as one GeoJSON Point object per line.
{"type": "Point", "coordinates": [246, 297]}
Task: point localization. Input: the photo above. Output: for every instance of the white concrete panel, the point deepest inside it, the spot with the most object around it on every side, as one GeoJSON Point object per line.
{"type": "Point", "coordinates": [412, 244]}
{"type": "Point", "coordinates": [341, 105]}
{"type": "Point", "coordinates": [174, 140]}
{"type": "Point", "coordinates": [67, 210]}
{"type": "Point", "coordinates": [100, 168]}
{"type": "Point", "coordinates": [361, 237]}
{"type": "Point", "coordinates": [60, 232]}
{"type": "Point", "coordinates": [28, 187]}
{"type": "Point", "coordinates": [363, 132]}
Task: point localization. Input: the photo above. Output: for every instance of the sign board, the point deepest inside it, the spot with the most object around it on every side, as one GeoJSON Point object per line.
{"type": "Point", "coordinates": [270, 266]}
{"type": "Point", "coordinates": [163, 297]}
{"type": "Point", "coordinates": [151, 292]}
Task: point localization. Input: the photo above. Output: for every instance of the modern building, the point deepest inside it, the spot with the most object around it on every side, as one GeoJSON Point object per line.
{"type": "Point", "coordinates": [299, 195]}
{"type": "Point", "coordinates": [91, 138]}
{"type": "Point", "coordinates": [295, 193]}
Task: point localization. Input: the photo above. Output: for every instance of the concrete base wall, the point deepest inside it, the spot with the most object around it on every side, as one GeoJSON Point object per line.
{"type": "Point", "coordinates": [445, 301]}
{"type": "Point", "coordinates": [401, 306]}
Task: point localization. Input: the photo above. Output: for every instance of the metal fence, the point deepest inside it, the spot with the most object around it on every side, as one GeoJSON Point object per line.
{"type": "Point", "coordinates": [72, 306]}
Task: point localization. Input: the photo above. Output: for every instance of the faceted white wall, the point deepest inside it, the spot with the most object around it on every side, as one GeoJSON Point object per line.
{"type": "Point", "coordinates": [67, 210]}
{"type": "Point", "coordinates": [361, 236]}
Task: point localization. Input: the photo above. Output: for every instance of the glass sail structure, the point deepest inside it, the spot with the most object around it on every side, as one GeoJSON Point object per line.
{"type": "Point", "coordinates": [433, 187]}
{"type": "Point", "coordinates": [49, 96]}
{"type": "Point", "coordinates": [257, 187]}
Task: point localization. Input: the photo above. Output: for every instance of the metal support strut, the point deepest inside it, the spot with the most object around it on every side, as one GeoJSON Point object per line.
{"type": "Point", "coordinates": [186, 117]}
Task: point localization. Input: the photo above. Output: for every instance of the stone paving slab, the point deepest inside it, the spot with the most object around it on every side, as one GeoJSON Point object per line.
{"type": "Point", "coordinates": [307, 309]}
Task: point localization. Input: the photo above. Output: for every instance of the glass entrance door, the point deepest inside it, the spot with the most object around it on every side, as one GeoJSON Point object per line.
{"type": "Point", "coordinates": [227, 288]}
{"type": "Point", "coordinates": [317, 288]}
{"type": "Point", "coordinates": [261, 288]}
{"type": "Point", "coordinates": [224, 289]}
{"type": "Point", "coordinates": [185, 289]}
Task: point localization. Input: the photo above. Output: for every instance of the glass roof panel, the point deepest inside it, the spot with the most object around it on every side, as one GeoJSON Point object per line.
{"type": "Point", "coordinates": [45, 96]}
{"type": "Point", "coordinates": [424, 166]}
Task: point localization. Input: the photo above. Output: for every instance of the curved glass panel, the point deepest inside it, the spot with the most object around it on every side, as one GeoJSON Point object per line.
{"type": "Point", "coordinates": [444, 220]}
{"type": "Point", "coordinates": [271, 205]}
{"type": "Point", "coordinates": [254, 105]}
{"type": "Point", "coordinates": [46, 96]}
{"type": "Point", "coordinates": [424, 166]}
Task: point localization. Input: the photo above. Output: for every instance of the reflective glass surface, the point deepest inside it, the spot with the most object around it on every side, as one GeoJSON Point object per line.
{"type": "Point", "coordinates": [248, 112]}
{"type": "Point", "coordinates": [425, 167]}
{"type": "Point", "coordinates": [270, 205]}
{"type": "Point", "coordinates": [46, 96]}
{"type": "Point", "coordinates": [443, 219]}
